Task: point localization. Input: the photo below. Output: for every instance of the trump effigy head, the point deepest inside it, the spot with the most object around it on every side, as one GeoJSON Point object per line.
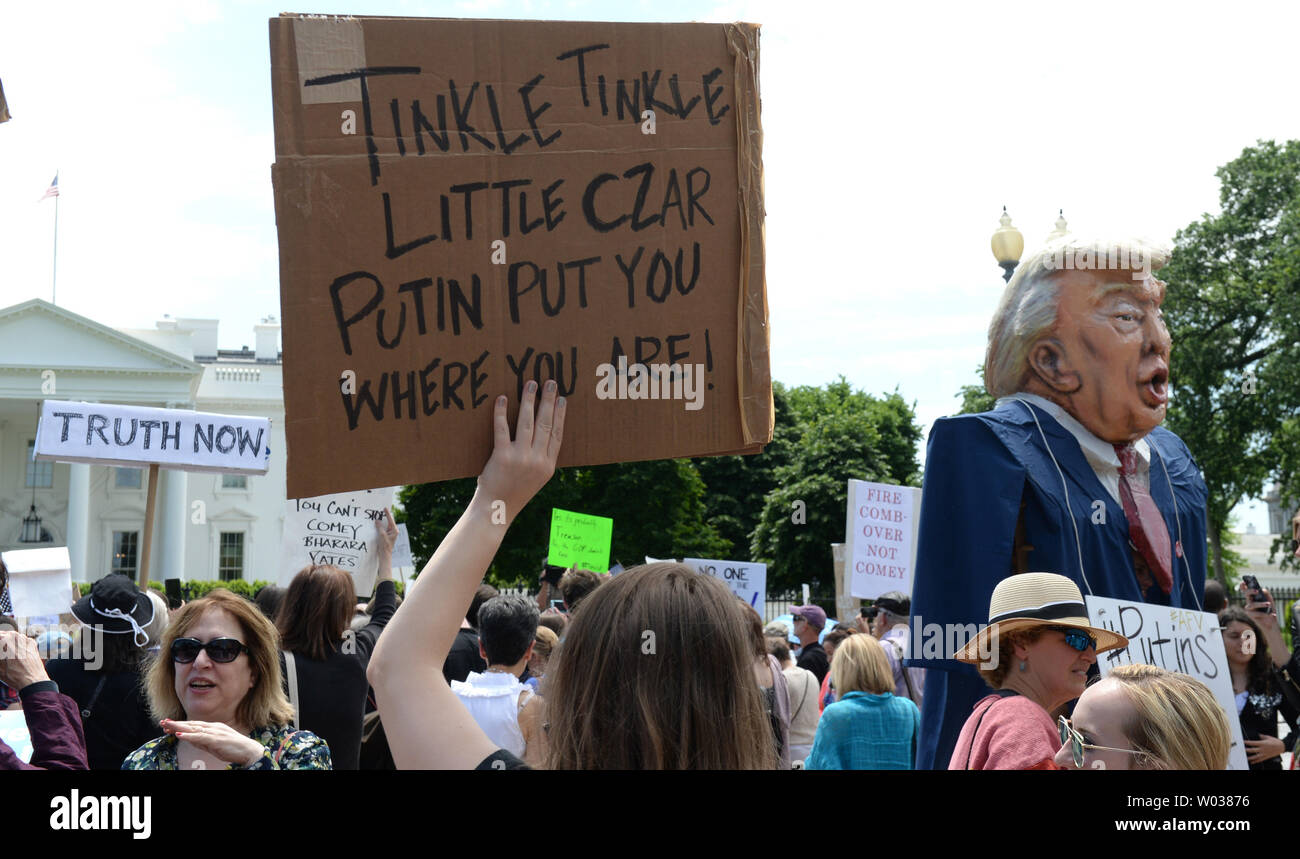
{"type": "Point", "coordinates": [1080, 324]}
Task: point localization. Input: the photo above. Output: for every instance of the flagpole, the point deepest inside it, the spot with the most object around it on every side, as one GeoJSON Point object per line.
{"type": "Point", "coordinates": [54, 284]}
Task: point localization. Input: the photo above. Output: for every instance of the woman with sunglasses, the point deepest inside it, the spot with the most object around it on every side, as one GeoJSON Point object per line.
{"type": "Point", "coordinates": [1144, 717]}
{"type": "Point", "coordinates": [216, 688]}
{"type": "Point", "coordinates": [1036, 652]}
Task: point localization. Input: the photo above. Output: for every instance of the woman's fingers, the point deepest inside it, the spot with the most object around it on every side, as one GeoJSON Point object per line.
{"type": "Point", "coordinates": [557, 431]}
{"type": "Point", "coordinates": [545, 420]}
{"type": "Point", "coordinates": [500, 425]}
{"type": "Point", "coordinates": [524, 426]}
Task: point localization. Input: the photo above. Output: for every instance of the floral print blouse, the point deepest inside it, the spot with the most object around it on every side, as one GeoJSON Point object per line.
{"type": "Point", "coordinates": [286, 749]}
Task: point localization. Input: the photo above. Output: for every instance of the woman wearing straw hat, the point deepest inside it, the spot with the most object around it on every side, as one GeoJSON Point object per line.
{"type": "Point", "coordinates": [1036, 652]}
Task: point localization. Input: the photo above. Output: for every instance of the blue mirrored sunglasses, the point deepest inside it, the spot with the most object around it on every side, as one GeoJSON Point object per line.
{"type": "Point", "coordinates": [1076, 638]}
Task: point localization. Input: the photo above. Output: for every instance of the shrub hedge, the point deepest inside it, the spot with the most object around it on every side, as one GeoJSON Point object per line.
{"type": "Point", "coordinates": [199, 589]}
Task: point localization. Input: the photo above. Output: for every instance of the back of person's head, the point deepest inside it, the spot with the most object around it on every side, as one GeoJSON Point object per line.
{"type": "Point", "coordinates": [838, 636]}
{"type": "Point", "coordinates": [1178, 723]}
{"type": "Point", "coordinates": [544, 642]}
{"type": "Point", "coordinates": [316, 611]}
{"type": "Point", "coordinates": [577, 584]}
{"type": "Point", "coordinates": [269, 598]}
{"type": "Point", "coordinates": [156, 627]}
{"type": "Point", "coordinates": [754, 629]}
{"type": "Point", "coordinates": [116, 618]}
{"type": "Point", "coordinates": [506, 626]}
{"type": "Point", "coordinates": [554, 621]}
{"type": "Point", "coordinates": [484, 593]}
{"type": "Point", "coordinates": [1216, 596]}
{"type": "Point", "coordinates": [860, 666]}
{"type": "Point", "coordinates": [778, 648]}
{"type": "Point", "coordinates": [656, 672]}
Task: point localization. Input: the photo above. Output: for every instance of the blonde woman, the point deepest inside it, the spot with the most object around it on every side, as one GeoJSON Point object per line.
{"type": "Point", "coordinates": [1144, 717]}
{"type": "Point", "coordinates": [868, 728]}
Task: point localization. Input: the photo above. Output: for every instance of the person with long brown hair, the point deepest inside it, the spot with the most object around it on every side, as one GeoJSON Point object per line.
{"type": "Point", "coordinates": [1257, 689]}
{"type": "Point", "coordinates": [655, 672]}
{"type": "Point", "coordinates": [328, 680]}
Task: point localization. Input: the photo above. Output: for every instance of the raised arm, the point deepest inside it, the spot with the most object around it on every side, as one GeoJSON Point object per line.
{"type": "Point", "coordinates": [426, 725]}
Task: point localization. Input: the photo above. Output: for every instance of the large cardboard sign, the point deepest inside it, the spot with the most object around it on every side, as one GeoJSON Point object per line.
{"type": "Point", "coordinates": [880, 535]}
{"type": "Point", "coordinates": [746, 579]}
{"type": "Point", "coordinates": [467, 206]}
{"type": "Point", "coordinates": [1175, 639]}
{"type": "Point", "coordinates": [339, 530]}
{"type": "Point", "coordinates": [132, 436]}
{"type": "Point", "coordinates": [40, 581]}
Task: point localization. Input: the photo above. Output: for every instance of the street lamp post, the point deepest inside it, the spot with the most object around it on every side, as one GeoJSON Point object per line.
{"type": "Point", "coordinates": [1008, 244]}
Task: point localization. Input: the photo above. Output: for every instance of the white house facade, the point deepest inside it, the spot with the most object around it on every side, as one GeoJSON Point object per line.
{"type": "Point", "coordinates": [207, 526]}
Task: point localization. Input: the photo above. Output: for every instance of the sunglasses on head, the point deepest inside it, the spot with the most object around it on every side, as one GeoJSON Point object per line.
{"type": "Point", "coordinates": [186, 650]}
{"type": "Point", "coordinates": [1076, 638]}
{"type": "Point", "coordinates": [1077, 745]}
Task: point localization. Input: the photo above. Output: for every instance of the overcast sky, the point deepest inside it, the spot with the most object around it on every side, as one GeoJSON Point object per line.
{"type": "Point", "coordinates": [894, 134]}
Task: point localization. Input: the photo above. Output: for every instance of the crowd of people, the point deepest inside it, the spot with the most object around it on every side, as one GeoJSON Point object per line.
{"type": "Point", "coordinates": [655, 668]}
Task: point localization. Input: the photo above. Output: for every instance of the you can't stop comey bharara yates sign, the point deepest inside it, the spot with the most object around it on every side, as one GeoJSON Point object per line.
{"type": "Point", "coordinates": [467, 206]}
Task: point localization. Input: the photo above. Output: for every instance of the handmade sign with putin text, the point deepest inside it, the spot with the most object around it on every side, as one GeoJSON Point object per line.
{"type": "Point", "coordinates": [1182, 640]}
{"type": "Point", "coordinates": [467, 206]}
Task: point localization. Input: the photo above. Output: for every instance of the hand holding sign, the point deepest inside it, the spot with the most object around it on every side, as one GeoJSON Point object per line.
{"type": "Point", "coordinates": [519, 468]}
{"type": "Point", "coordinates": [387, 529]}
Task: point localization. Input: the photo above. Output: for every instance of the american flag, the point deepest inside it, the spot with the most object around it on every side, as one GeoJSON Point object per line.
{"type": "Point", "coordinates": [53, 190]}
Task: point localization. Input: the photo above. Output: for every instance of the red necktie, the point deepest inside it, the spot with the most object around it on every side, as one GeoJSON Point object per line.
{"type": "Point", "coordinates": [1146, 527]}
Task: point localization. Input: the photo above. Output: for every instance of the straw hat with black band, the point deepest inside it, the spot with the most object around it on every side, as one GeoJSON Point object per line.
{"type": "Point", "coordinates": [1028, 600]}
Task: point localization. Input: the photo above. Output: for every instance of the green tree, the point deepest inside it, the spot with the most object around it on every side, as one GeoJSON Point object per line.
{"type": "Point", "coordinates": [835, 433]}
{"type": "Point", "coordinates": [658, 508]}
{"type": "Point", "coordinates": [738, 486]}
{"type": "Point", "coordinates": [976, 398]}
{"type": "Point", "coordinates": [1233, 310]}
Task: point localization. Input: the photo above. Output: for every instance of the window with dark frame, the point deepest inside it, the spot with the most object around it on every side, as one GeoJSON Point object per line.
{"type": "Point", "coordinates": [230, 559]}
{"type": "Point", "coordinates": [126, 545]}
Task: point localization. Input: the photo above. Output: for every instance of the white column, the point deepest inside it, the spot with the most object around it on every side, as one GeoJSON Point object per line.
{"type": "Point", "coordinates": [79, 519]}
{"type": "Point", "coordinates": [170, 525]}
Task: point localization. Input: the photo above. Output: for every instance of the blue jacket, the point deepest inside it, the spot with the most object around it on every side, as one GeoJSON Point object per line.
{"type": "Point", "coordinates": [865, 732]}
{"type": "Point", "coordinates": [978, 470]}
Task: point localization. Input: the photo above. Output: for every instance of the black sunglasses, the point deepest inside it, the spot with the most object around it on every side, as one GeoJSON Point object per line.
{"type": "Point", "coordinates": [186, 650]}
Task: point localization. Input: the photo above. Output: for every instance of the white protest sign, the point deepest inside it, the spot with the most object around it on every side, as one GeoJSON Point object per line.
{"type": "Point", "coordinates": [13, 730]}
{"type": "Point", "coordinates": [650, 560]}
{"type": "Point", "coordinates": [880, 533]}
{"type": "Point", "coordinates": [40, 581]}
{"type": "Point", "coordinates": [1181, 640]}
{"type": "Point", "coordinates": [747, 580]}
{"type": "Point", "coordinates": [131, 436]}
{"type": "Point", "coordinates": [402, 548]}
{"type": "Point", "coordinates": [338, 530]}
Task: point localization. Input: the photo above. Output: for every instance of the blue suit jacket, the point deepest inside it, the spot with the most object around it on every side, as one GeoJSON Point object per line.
{"type": "Point", "coordinates": [977, 469]}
